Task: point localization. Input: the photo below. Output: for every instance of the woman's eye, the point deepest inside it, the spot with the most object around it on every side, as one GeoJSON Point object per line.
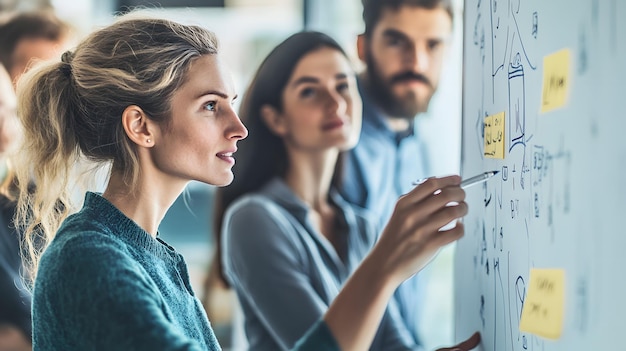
{"type": "Point", "coordinates": [343, 87]}
{"type": "Point", "coordinates": [307, 92]}
{"type": "Point", "coordinates": [210, 106]}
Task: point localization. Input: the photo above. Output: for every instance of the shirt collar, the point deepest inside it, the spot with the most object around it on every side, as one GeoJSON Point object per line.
{"type": "Point", "coordinates": [277, 190]}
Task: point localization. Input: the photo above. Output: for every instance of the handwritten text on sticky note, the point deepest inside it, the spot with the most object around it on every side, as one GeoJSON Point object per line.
{"type": "Point", "coordinates": [556, 80]}
{"type": "Point", "coordinates": [494, 136]}
{"type": "Point", "coordinates": [543, 307]}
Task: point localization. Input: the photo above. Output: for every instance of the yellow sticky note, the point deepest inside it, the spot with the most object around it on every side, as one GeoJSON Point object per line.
{"type": "Point", "coordinates": [556, 80]}
{"type": "Point", "coordinates": [494, 136]}
{"type": "Point", "coordinates": [543, 307]}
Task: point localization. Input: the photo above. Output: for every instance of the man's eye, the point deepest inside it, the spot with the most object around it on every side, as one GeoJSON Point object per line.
{"type": "Point", "coordinates": [395, 42]}
{"type": "Point", "coordinates": [434, 44]}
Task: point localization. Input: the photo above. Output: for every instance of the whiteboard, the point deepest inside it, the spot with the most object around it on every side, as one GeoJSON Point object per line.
{"type": "Point", "coordinates": [558, 201]}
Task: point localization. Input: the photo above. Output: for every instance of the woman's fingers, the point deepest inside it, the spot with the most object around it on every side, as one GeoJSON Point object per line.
{"type": "Point", "coordinates": [442, 216]}
{"type": "Point", "coordinates": [427, 237]}
{"type": "Point", "coordinates": [428, 240]}
{"type": "Point", "coordinates": [414, 232]}
{"type": "Point", "coordinates": [444, 237]}
{"type": "Point", "coordinates": [429, 187]}
{"type": "Point", "coordinates": [442, 198]}
{"type": "Point", "coordinates": [433, 212]}
{"type": "Point", "coordinates": [435, 196]}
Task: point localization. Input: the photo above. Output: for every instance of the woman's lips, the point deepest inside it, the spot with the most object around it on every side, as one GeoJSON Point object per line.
{"type": "Point", "coordinates": [227, 156]}
{"type": "Point", "coordinates": [333, 124]}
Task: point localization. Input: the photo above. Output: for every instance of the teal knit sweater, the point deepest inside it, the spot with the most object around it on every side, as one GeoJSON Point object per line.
{"type": "Point", "coordinates": [106, 284]}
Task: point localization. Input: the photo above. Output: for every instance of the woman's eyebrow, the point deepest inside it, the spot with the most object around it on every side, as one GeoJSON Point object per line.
{"type": "Point", "coordinates": [214, 92]}
{"type": "Point", "coordinates": [305, 79]}
{"type": "Point", "coordinates": [309, 79]}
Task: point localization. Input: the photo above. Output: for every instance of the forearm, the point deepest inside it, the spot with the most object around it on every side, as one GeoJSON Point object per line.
{"type": "Point", "coordinates": [354, 316]}
{"type": "Point", "coordinates": [410, 239]}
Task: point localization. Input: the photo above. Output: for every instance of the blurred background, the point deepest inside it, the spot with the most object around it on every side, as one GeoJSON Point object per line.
{"type": "Point", "coordinates": [248, 30]}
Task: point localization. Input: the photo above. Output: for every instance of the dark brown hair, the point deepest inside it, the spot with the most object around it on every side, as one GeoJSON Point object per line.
{"type": "Point", "coordinates": [373, 9]}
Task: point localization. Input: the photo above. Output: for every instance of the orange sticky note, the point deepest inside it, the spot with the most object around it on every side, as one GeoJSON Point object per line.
{"type": "Point", "coordinates": [543, 307]}
{"type": "Point", "coordinates": [556, 80]}
{"type": "Point", "coordinates": [494, 136]}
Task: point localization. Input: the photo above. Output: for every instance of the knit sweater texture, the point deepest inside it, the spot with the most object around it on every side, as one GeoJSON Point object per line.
{"type": "Point", "coordinates": [104, 283]}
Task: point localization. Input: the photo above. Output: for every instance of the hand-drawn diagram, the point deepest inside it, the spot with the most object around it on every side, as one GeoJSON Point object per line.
{"type": "Point", "coordinates": [536, 210]}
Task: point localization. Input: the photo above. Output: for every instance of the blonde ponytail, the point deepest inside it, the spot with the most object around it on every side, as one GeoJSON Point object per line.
{"type": "Point", "coordinates": [46, 157]}
{"type": "Point", "coordinates": [71, 112]}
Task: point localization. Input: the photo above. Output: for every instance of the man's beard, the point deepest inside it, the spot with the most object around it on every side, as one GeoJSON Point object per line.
{"type": "Point", "coordinates": [379, 89]}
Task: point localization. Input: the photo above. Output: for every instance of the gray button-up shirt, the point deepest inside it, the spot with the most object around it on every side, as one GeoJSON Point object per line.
{"type": "Point", "coordinates": [286, 273]}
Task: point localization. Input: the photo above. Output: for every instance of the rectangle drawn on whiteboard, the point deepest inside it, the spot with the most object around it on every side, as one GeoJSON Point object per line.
{"type": "Point", "coordinates": [494, 136]}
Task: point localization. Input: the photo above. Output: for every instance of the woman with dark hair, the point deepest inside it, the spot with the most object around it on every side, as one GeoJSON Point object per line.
{"type": "Point", "coordinates": [288, 241]}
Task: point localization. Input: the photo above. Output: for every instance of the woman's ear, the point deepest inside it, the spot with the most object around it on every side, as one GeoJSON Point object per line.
{"type": "Point", "coordinates": [138, 127]}
{"type": "Point", "coordinates": [274, 120]}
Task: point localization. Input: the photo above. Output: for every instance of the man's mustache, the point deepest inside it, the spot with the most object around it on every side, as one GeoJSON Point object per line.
{"type": "Point", "coordinates": [410, 76]}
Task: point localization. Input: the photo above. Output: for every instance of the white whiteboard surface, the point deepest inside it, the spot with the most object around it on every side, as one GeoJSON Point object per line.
{"type": "Point", "coordinates": [559, 199]}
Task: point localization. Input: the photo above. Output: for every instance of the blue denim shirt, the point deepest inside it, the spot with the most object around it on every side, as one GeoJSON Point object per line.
{"type": "Point", "coordinates": [383, 165]}
{"type": "Point", "coordinates": [380, 169]}
{"type": "Point", "coordinates": [286, 273]}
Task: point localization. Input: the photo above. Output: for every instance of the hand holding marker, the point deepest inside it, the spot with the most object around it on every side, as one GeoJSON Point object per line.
{"type": "Point", "coordinates": [483, 177]}
{"type": "Point", "coordinates": [478, 179]}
